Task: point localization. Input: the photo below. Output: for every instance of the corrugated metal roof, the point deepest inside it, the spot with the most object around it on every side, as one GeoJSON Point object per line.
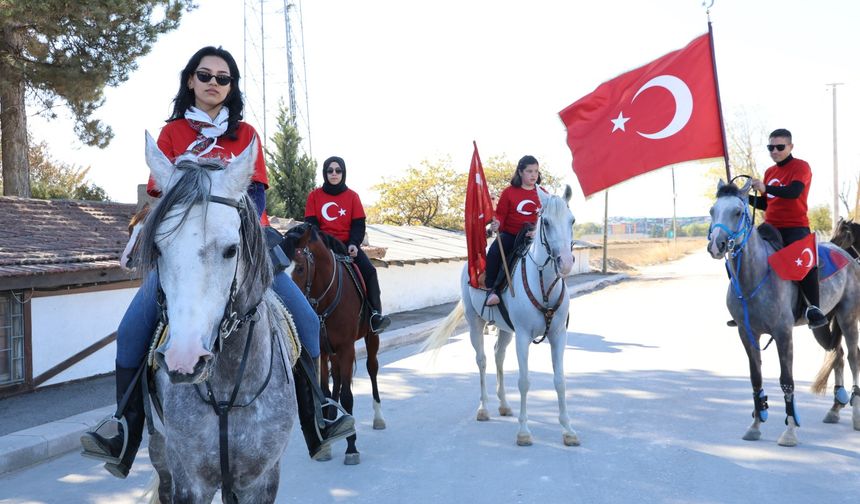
{"type": "Point", "coordinates": [415, 244]}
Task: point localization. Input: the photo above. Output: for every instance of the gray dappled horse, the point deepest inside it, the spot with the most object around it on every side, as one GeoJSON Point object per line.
{"type": "Point", "coordinates": [762, 303]}
{"type": "Point", "coordinates": [224, 380]}
{"type": "Point", "coordinates": [538, 307]}
{"type": "Point", "coordinates": [847, 236]}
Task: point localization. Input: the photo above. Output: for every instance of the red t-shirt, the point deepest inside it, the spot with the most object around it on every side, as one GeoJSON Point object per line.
{"type": "Point", "coordinates": [177, 136]}
{"type": "Point", "coordinates": [334, 213]}
{"type": "Point", "coordinates": [788, 212]}
{"type": "Point", "coordinates": [517, 206]}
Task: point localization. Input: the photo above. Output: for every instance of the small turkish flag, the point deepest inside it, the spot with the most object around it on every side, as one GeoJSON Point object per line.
{"type": "Point", "coordinates": [794, 261]}
{"type": "Point", "coordinates": [663, 113]}
{"type": "Point", "coordinates": [478, 213]}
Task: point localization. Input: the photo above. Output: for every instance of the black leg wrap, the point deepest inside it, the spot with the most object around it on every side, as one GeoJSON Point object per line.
{"type": "Point", "coordinates": [760, 402]}
{"type": "Point", "coordinates": [790, 410]}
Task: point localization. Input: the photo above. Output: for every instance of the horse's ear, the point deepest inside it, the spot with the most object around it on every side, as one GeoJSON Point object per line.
{"type": "Point", "coordinates": [720, 184]}
{"type": "Point", "coordinates": [568, 193]}
{"type": "Point", "coordinates": [161, 167]}
{"type": "Point", "coordinates": [238, 176]}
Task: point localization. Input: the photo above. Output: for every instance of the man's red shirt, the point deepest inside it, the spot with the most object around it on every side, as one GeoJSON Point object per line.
{"type": "Point", "coordinates": [335, 213]}
{"type": "Point", "coordinates": [788, 212]}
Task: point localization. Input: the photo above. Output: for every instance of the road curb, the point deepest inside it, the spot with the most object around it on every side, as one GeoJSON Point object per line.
{"type": "Point", "coordinates": [28, 447]}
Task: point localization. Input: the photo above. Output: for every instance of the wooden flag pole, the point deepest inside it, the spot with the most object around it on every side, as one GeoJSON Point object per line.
{"type": "Point", "coordinates": [505, 264]}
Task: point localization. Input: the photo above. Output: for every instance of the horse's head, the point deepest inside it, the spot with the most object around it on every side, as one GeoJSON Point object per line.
{"type": "Point", "coordinates": [730, 219]}
{"type": "Point", "coordinates": [843, 235]}
{"type": "Point", "coordinates": [206, 244]}
{"type": "Point", "coordinates": [556, 229]}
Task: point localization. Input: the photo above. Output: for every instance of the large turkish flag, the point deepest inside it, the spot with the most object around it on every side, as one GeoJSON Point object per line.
{"type": "Point", "coordinates": [663, 113]}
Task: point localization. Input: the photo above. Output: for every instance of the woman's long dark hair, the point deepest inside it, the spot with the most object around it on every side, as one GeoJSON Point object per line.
{"type": "Point", "coordinates": [517, 179]}
{"type": "Point", "coordinates": [185, 97]}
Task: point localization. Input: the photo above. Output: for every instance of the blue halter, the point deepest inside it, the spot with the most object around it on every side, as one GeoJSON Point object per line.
{"type": "Point", "coordinates": [735, 253]}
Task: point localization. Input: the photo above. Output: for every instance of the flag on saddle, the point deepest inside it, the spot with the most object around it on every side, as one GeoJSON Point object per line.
{"type": "Point", "coordinates": [796, 260]}
{"type": "Point", "coordinates": [663, 113]}
{"type": "Point", "coordinates": [479, 213]}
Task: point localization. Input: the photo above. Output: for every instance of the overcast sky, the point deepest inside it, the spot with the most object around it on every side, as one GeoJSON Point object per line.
{"type": "Point", "coordinates": [390, 84]}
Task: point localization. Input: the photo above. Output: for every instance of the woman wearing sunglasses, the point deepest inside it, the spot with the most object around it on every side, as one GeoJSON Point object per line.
{"type": "Point", "coordinates": [336, 210]}
{"type": "Point", "coordinates": [783, 199]}
{"type": "Point", "coordinates": [206, 122]}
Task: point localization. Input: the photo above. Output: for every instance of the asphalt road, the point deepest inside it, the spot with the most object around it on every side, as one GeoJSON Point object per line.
{"type": "Point", "coordinates": [657, 388]}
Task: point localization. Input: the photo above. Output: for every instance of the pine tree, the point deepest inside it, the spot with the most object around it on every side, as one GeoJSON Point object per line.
{"type": "Point", "coordinates": [291, 176]}
{"type": "Point", "coordinates": [62, 52]}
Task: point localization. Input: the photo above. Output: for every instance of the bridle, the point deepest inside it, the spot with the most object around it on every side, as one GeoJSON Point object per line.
{"type": "Point", "coordinates": [544, 307]}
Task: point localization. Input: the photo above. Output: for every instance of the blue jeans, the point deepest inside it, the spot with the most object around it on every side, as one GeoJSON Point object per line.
{"type": "Point", "coordinates": [141, 319]}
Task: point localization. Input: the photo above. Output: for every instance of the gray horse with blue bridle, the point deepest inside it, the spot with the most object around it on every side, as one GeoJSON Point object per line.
{"type": "Point", "coordinates": [763, 303]}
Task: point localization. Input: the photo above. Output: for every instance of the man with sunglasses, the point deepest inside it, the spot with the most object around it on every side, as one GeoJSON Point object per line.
{"type": "Point", "coordinates": [783, 198]}
{"type": "Point", "coordinates": [336, 210]}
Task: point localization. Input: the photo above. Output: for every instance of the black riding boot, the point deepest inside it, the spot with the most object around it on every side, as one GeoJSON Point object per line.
{"type": "Point", "coordinates": [378, 321]}
{"type": "Point", "coordinates": [110, 449]}
{"type": "Point", "coordinates": [318, 432]}
{"type": "Point", "coordinates": [809, 287]}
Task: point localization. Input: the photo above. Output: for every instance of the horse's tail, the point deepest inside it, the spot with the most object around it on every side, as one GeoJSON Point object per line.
{"type": "Point", "coordinates": [444, 330]}
{"type": "Point", "coordinates": [151, 493]}
{"type": "Point", "coordinates": [819, 385]}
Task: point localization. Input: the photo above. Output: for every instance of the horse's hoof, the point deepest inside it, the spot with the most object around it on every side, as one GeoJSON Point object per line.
{"type": "Point", "coordinates": [483, 415]}
{"type": "Point", "coordinates": [570, 439]}
{"type": "Point", "coordinates": [787, 439]}
{"type": "Point", "coordinates": [324, 455]}
{"type": "Point", "coordinates": [378, 424]}
{"type": "Point", "coordinates": [506, 411]}
{"type": "Point", "coordinates": [352, 459]}
{"type": "Point", "coordinates": [524, 439]}
{"type": "Point", "coordinates": [752, 435]}
{"type": "Point", "coordinates": [831, 417]}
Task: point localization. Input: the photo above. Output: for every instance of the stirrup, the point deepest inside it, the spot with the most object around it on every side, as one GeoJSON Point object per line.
{"type": "Point", "coordinates": [490, 295]}
{"type": "Point", "coordinates": [820, 323]}
{"type": "Point", "coordinates": [89, 448]}
{"type": "Point", "coordinates": [324, 423]}
{"type": "Point", "coordinates": [384, 322]}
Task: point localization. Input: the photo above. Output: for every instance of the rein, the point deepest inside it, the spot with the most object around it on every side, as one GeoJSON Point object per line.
{"type": "Point", "coordinates": [733, 266]}
{"type": "Point", "coordinates": [548, 312]}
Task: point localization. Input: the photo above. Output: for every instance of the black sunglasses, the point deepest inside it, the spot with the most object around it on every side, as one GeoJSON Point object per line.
{"type": "Point", "coordinates": [204, 77]}
{"type": "Point", "coordinates": [779, 147]}
{"type": "Point", "coordinates": [329, 171]}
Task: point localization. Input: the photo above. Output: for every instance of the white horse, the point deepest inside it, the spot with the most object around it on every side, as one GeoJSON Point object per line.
{"type": "Point", "coordinates": [224, 380]}
{"type": "Point", "coordinates": [537, 302]}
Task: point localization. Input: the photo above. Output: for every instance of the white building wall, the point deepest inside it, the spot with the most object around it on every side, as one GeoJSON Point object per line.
{"type": "Point", "coordinates": [64, 325]}
{"type": "Point", "coordinates": [419, 285]}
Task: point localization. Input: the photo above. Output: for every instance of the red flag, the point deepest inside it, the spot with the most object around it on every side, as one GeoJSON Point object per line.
{"type": "Point", "coordinates": [794, 261]}
{"type": "Point", "coordinates": [479, 213]}
{"type": "Point", "coordinates": [663, 113]}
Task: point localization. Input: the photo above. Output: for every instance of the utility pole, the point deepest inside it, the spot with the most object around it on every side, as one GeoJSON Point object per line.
{"type": "Point", "coordinates": [835, 160]}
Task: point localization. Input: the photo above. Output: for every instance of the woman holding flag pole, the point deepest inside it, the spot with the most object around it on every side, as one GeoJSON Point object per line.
{"type": "Point", "coordinates": [518, 206]}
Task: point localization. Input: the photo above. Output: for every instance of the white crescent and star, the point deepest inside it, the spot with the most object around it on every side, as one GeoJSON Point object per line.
{"type": "Point", "coordinates": [803, 253]}
{"type": "Point", "coordinates": [683, 107]}
{"type": "Point", "coordinates": [774, 182]}
{"type": "Point", "coordinates": [324, 211]}
{"type": "Point", "coordinates": [523, 204]}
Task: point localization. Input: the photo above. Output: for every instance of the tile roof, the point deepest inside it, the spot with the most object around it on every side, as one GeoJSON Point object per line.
{"type": "Point", "coordinates": [43, 237]}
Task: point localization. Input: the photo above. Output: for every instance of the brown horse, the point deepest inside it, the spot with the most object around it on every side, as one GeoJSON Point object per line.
{"type": "Point", "coordinates": [322, 269]}
{"type": "Point", "coordinates": [847, 236]}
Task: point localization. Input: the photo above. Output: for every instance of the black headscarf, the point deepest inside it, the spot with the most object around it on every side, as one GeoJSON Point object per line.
{"type": "Point", "coordinates": [329, 188]}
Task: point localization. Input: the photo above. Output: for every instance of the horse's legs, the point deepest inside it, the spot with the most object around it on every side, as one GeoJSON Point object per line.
{"type": "Point", "coordinates": [840, 395]}
{"type": "Point", "coordinates": [785, 347]}
{"type": "Point", "coordinates": [265, 488]}
{"type": "Point", "coordinates": [476, 336]}
{"type": "Point", "coordinates": [502, 343]}
{"type": "Point", "coordinates": [343, 393]}
{"type": "Point", "coordinates": [524, 436]}
{"type": "Point", "coordinates": [371, 343]}
{"type": "Point", "coordinates": [759, 414]}
{"type": "Point", "coordinates": [557, 346]}
{"type": "Point", "coordinates": [851, 337]}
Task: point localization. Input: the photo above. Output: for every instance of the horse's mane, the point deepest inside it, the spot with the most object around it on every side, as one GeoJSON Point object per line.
{"type": "Point", "coordinates": [192, 188]}
{"type": "Point", "coordinates": [729, 190]}
{"type": "Point", "coordinates": [328, 240]}
{"type": "Point", "coordinates": [554, 205]}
